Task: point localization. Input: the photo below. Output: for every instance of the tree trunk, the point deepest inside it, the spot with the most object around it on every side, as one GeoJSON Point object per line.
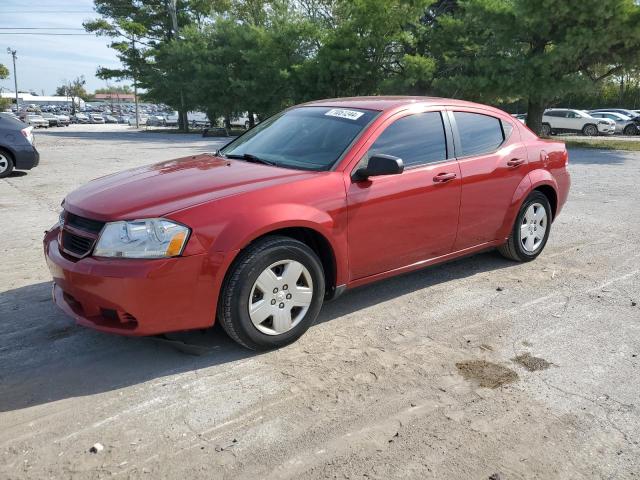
{"type": "Point", "coordinates": [183, 121]}
{"type": "Point", "coordinates": [252, 122]}
{"type": "Point", "coordinates": [227, 121]}
{"type": "Point", "coordinates": [535, 109]}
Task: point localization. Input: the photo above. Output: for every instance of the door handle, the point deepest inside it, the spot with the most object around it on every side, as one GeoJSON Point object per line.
{"type": "Point", "coordinates": [515, 162]}
{"type": "Point", "coordinates": [444, 177]}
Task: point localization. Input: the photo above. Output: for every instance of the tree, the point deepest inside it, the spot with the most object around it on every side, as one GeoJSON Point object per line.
{"type": "Point", "coordinates": [72, 89]}
{"type": "Point", "coordinates": [114, 89]}
{"type": "Point", "coordinates": [499, 51]}
{"type": "Point", "coordinates": [4, 72]}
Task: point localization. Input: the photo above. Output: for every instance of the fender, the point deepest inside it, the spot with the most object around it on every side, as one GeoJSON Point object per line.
{"type": "Point", "coordinates": [242, 230]}
{"type": "Point", "coordinates": [533, 180]}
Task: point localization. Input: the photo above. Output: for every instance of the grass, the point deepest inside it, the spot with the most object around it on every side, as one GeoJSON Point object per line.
{"type": "Point", "coordinates": [628, 145]}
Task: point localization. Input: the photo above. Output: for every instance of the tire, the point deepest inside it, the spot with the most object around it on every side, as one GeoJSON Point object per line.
{"type": "Point", "coordinates": [6, 164]}
{"type": "Point", "coordinates": [516, 247]}
{"type": "Point", "coordinates": [269, 259]}
{"type": "Point", "coordinates": [630, 130]}
{"type": "Point", "coordinates": [545, 130]}
{"type": "Point", "coordinates": [590, 130]}
{"type": "Point", "coordinates": [246, 125]}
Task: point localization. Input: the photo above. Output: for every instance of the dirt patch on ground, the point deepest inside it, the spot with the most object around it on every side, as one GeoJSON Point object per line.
{"type": "Point", "coordinates": [486, 374]}
{"type": "Point", "coordinates": [532, 363]}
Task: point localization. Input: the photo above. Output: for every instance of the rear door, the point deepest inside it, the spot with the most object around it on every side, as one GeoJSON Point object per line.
{"type": "Point", "coordinates": [493, 162]}
{"type": "Point", "coordinates": [399, 220]}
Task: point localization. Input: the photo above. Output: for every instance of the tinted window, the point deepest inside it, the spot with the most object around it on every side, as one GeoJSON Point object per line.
{"type": "Point", "coordinates": [306, 138]}
{"type": "Point", "coordinates": [507, 128]}
{"type": "Point", "coordinates": [416, 139]}
{"type": "Point", "coordinates": [555, 113]}
{"type": "Point", "coordinates": [478, 133]}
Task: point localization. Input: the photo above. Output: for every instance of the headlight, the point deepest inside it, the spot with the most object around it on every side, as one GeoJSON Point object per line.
{"type": "Point", "coordinates": [603, 122]}
{"type": "Point", "coordinates": [148, 238]}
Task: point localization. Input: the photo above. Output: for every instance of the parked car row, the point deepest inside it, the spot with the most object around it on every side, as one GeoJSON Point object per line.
{"type": "Point", "coordinates": [590, 123]}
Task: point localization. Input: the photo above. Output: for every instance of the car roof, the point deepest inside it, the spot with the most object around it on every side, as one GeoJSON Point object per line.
{"type": "Point", "coordinates": [384, 103]}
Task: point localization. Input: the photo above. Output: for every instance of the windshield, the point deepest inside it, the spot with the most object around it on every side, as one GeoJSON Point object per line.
{"type": "Point", "coordinates": [306, 138]}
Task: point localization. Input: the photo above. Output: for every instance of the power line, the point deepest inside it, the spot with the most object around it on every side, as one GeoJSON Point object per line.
{"type": "Point", "coordinates": [46, 34]}
{"type": "Point", "coordinates": [40, 28]}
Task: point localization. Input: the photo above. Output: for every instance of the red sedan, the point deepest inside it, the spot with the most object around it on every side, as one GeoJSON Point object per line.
{"type": "Point", "coordinates": [322, 197]}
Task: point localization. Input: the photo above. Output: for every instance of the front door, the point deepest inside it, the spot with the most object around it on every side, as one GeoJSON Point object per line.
{"type": "Point", "coordinates": [398, 220]}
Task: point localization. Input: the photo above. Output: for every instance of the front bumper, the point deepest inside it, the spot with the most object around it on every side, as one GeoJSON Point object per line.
{"type": "Point", "coordinates": [133, 297]}
{"type": "Point", "coordinates": [606, 129]}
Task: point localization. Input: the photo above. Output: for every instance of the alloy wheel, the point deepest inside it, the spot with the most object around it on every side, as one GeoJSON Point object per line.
{"type": "Point", "coordinates": [534, 227]}
{"type": "Point", "coordinates": [4, 163]}
{"type": "Point", "coordinates": [280, 297]}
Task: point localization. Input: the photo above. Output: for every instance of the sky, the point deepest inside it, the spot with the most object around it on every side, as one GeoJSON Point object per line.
{"type": "Point", "coordinates": [44, 62]}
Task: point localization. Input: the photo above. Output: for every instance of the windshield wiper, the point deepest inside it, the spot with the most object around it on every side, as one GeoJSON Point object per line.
{"type": "Point", "coordinates": [251, 158]}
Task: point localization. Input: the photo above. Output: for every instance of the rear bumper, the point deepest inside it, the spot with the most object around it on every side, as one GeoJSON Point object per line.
{"type": "Point", "coordinates": [26, 157]}
{"type": "Point", "coordinates": [133, 297]}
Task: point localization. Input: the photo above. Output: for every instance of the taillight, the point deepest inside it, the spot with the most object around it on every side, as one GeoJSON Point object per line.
{"type": "Point", "coordinates": [566, 158]}
{"type": "Point", "coordinates": [26, 133]}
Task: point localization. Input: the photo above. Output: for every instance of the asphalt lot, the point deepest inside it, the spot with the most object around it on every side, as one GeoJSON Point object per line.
{"type": "Point", "coordinates": [412, 377]}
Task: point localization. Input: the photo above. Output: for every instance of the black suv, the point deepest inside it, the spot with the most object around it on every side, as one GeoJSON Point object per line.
{"type": "Point", "coordinates": [16, 146]}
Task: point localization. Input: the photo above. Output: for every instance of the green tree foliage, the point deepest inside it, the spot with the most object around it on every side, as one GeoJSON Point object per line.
{"type": "Point", "coordinates": [4, 72]}
{"type": "Point", "coordinates": [233, 56]}
{"type": "Point", "coordinates": [115, 89]}
{"type": "Point", "coordinates": [501, 51]}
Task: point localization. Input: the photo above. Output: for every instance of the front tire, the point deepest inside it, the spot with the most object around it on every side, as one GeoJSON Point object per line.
{"type": "Point", "coordinates": [272, 293]}
{"type": "Point", "coordinates": [590, 130]}
{"type": "Point", "coordinates": [630, 130]}
{"type": "Point", "coordinates": [530, 230]}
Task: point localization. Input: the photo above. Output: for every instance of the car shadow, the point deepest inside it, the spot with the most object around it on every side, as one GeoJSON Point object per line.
{"type": "Point", "coordinates": [45, 357]}
{"type": "Point", "coordinates": [595, 156]}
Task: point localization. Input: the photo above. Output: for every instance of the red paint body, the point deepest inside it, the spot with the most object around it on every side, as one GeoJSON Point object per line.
{"type": "Point", "coordinates": [378, 228]}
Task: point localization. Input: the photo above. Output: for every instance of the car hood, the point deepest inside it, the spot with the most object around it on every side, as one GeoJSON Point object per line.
{"type": "Point", "coordinates": [157, 190]}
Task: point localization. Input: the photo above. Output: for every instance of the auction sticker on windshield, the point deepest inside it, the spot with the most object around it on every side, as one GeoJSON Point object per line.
{"type": "Point", "coordinates": [348, 114]}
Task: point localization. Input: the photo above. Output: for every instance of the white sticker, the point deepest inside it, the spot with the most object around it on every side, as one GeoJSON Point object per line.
{"type": "Point", "coordinates": [348, 114]}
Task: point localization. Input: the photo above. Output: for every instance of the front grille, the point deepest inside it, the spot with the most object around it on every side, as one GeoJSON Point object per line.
{"type": "Point", "coordinates": [75, 244]}
{"type": "Point", "coordinates": [81, 223]}
{"type": "Point", "coordinates": [79, 235]}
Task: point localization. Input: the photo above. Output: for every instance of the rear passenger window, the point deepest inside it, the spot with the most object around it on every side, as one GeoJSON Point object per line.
{"type": "Point", "coordinates": [478, 133]}
{"type": "Point", "coordinates": [416, 139]}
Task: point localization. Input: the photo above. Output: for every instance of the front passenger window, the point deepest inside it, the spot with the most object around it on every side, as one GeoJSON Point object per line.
{"type": "Point", "coordinates": [417, 139]}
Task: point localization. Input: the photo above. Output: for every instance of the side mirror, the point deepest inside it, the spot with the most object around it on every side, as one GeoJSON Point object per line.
{"type": "Point", "coordinates": [379, 164]}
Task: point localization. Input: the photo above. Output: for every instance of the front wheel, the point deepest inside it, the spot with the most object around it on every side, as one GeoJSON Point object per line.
{"type": "Point", "coordinates": [530, 230]}
{"type": "Point", "coordinates": [630, 130]}
{"type": "Point", "coordinates": [272, 294]}
{"type": "Point", "coordinates": [590, 130]}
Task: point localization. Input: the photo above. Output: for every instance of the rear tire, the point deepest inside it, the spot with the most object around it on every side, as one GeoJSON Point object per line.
{"type": "Point", "coordinates": [527, 240]}
{"type": "Point", "coordinates": [545, 130]}
{"type": "Point", "coordinates": [6, 164]}
{"type": "Point", "coordinates": [260, 306]}
{"type": "Point", "coordinates": [590, 130]}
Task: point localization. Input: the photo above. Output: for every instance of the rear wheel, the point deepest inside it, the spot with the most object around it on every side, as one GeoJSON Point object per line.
{"type": "Point", "coordinates": [590, 130]}
{"type": "Point", "coordinates": [272, 294]}
{"type": "Point", "coordinates": [530, 230]}
{"type": "Point", "coordinates": [545, 130]}
{"type": "Point", "coordinates": [6, 164]}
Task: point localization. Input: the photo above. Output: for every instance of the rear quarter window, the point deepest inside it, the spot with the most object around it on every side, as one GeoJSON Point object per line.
{"type": "Point", "coordinates": [479, 133]}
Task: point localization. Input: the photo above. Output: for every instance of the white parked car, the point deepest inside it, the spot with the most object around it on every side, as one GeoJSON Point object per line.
{"type": "Point", "coordinates": [563, 120]}
{"type": "Point", "coordinates": [624, 124]}
{"type": "Point", "coordinates": [96, 118]}
{"type": "Point", "coordinates": [142, 120]}
{"type": "Point", "coordinates": [36, 121]}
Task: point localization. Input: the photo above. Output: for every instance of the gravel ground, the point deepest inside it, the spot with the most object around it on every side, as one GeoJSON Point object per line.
{"type": "Point", "coordinates": [475, 368]}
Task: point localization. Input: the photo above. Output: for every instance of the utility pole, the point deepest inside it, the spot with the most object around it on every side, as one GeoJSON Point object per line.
{"type": "Point", "coordinates": [173, 11]}
{"type": "Point", "coordinates": [15, 74]}
{"type": "Point", "coordinates": [135, 84]}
